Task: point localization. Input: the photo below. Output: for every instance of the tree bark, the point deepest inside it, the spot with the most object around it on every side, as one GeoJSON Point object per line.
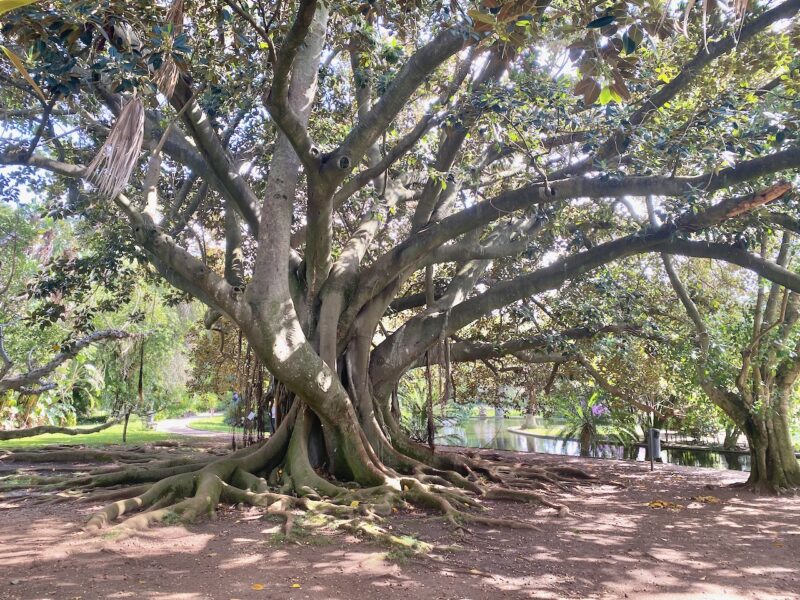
{"type": "Point", "coordinates": [530, 409]}
{"type": "Point", "coordinates": [125, 428]}
{"type": "Point", "coordinates": [773, 465]}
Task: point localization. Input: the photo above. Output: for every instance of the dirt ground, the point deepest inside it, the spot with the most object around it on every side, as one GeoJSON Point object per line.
{"type": "Point", "coordinates": [612, 545]}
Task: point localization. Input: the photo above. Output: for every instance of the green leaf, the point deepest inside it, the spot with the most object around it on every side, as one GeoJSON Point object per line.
{"type": "Point", "coordinates": [481, 17]}
{"type": "Point", "coordinates": [17, 62]}
{"type": "Point", "coordinates": [591, 92]}
{"type": "Point", "coordinates": [628, 44]}
{"type": "Point", "coordinates": [9, 5]}
{"type": "Point", "coordinates": [601, 22]}
{"type": "Point", "coordinates": [608, 95]}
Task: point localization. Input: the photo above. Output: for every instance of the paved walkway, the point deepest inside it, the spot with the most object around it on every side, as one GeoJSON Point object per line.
{"type": "Point", "coordinates": [181, 427]}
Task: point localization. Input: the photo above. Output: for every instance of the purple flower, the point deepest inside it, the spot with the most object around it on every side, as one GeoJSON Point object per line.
{"type": "Point", "coordinates": [598, 410]}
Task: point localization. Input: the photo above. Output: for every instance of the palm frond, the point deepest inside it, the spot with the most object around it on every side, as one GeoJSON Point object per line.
{"type": "Point", "coordinates": [166, 76]}
{"type": "Point", "coordinates": [112, 167]}
{"type": "Point", "coordinates": [175, 17]}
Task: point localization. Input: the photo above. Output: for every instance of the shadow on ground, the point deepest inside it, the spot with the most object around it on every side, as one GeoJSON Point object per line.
{"type": "Point", "coordinates": [611, 546]}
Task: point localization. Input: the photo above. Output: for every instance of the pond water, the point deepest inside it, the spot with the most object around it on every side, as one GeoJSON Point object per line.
{"type": "Point", "coordinates": [493, 433]}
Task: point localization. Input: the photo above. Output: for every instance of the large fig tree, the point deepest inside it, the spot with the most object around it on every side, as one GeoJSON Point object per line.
{"type": "Point", "coordinates": [382, 175]}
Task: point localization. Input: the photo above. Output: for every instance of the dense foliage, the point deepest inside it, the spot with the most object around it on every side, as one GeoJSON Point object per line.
{"type": "Point", "coordinates": [359, 190]}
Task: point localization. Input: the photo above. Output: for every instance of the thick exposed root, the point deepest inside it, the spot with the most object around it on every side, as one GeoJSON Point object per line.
{"type": "Point", "coordinates": [132, 467]}
{"type": "Point", "coordinates": [71, 454]}
{"type": "Point", "coordinates": [295, 488]}
{"type": "Point", "coordinates": [396, 543]}
{"type": "Point", "coordinates": [298, 489]}
{"type": "Point", "coordinates": [277, 477]}
{"type": "Point", "coordinates": [763, 488]}
{"type": "Point", "coordinates": [472, 466]}
{"type": "Point", "coordinates": [121, 493]}
{"type": "Point", "coordinates": [496, 493]}
{"type": "Point", "coordinates": [88, 482]}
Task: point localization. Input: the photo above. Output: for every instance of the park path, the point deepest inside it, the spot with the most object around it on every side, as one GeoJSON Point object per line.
{"type": "Point", "coordinates": [181, 427]}
{"type": "Point", "coordinates": [614, 544]}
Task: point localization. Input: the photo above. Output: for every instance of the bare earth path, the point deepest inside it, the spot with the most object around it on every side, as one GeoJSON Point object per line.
{"type": "Point", "coordinates": [612, 546]}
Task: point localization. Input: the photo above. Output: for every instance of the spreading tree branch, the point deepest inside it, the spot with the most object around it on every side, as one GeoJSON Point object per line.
{"type": "Point", "coordinates": [408, 253]}
{"type": "Point", "coordinates": [618, 143]}
{"type": "Point", "coordinates": [368, 129]}
{"type": "Point", "coordinates": [290, 122]}
{"type": "Point", "coordinates": [34, 375]}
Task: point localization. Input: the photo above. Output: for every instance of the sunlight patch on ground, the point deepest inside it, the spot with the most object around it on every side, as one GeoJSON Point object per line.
{"type": "Point", "coordinates": [242, 561]}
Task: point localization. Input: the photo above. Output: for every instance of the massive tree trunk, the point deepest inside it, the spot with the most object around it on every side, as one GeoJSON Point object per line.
{"type": "Point", "coordinates": [774, 467]}
{"type": "Point", "coordinates": [303, 464]}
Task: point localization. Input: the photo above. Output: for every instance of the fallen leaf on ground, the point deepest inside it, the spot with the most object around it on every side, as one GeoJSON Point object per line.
{"type": "Point", "coordinates": [257, 586]}
{"type": "Point", "coordinates": [707, 499]}
{"type": "Point", "coordinates": [295, 585]}
{"type": "Point", "coordinates": [664, 504]}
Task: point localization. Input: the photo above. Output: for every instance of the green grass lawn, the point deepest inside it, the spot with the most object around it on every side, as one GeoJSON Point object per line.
{"type": "Point", "coordinates": [542, 430]}
{"type": "Point", "coordinates": [556, 430]}
{"type": "Point", "coordinates": [137, 434]}
{"type": "Point", "coordinates": [210, 424]}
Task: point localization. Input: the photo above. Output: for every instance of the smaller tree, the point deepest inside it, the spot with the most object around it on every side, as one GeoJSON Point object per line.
{"type": "Point", "coordinates": [754, 380]}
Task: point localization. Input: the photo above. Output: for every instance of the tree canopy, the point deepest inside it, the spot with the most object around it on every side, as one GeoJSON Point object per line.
{"type": "Point", "coordinates": [367, 188]}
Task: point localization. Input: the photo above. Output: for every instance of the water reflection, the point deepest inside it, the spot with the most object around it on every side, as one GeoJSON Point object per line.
{"type": "Point", "coordinates": [493, 433]}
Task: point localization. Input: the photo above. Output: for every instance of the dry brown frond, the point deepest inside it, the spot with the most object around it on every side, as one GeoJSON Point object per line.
{"type": "Point", "coordinates": [740, 10]}
{"type": "Point", "coordinates": [175, 16]}
{"type": "Point", "coordinates": [166, 76]}
{"type": "Point", "coordinates": [112, 167]}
